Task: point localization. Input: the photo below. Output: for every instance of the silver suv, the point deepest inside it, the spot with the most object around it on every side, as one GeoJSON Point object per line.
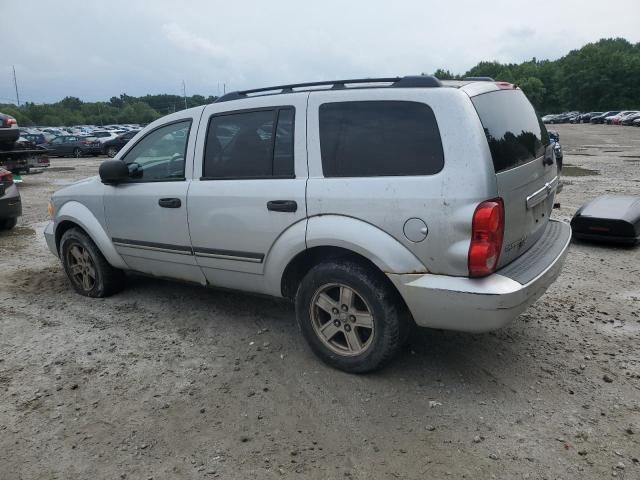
{"type": "Point", "coordinates": [374, 204]}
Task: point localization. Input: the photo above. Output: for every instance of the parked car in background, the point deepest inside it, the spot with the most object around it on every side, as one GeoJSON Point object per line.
{"type": "Point", "coordinates": [554, 137]}
{"type": "Point", "coordinates": [103, 135]}
{"type": "Point", "coordinates": [548, 118]}
{"type": "Point", "coordinates": [293, 195]}
{"type": "Point", "coordinates": [614, 119]}
{"type": "Point", "coordinates": [601, 118]}
{"type": "Point", "coordinates": [74, 145]}
{"type": "Point", "coordinates": [623, 118]}
{"type": "Point", "coordinates": [112, 147]}
{"type": "Point", "coordinates": [35, 138]}
{"type": "Point", "coordinates": [9, 131]}
{"type": "Point", "coordinates": [586, 117]}
{"type": "Point", "coordinates": [10, 201]}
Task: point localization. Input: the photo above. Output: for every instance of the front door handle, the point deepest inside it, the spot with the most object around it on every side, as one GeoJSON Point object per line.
{"type": "Point", "coordinates": [282, 205]}
{"type": "Point", "coordinates": [170, 202]}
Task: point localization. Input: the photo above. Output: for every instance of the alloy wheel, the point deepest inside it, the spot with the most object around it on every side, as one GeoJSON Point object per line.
{"type": "Point", "coordinates": [82, 270]}
{"type": "Point", "coordinates": [342, 320]}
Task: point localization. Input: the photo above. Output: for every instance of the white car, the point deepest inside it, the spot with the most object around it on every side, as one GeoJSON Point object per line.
{"type": "Point", "coordinates": [104, 135]}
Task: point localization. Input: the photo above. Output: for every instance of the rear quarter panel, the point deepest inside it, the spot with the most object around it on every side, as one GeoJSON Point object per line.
{"type": "Point", "coordinates": [444, 201]}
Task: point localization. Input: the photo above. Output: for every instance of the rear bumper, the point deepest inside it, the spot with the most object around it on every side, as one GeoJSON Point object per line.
{"type": "Point", "coordinates": [489, 303]}
{"type": "Point", "coordinates": [10, 203]}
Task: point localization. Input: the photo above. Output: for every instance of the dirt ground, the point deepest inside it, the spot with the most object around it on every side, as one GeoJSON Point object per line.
{"type": "Point", "coordinates": [172, 381]}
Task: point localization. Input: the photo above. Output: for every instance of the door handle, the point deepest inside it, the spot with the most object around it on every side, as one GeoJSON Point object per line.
{"type": "Point", "coordinates": [282, 205]}
{"type": "Point", "coordinates": [170, 202]}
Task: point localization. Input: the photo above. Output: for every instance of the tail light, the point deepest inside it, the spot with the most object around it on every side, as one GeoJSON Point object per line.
{"type": "Point", "coordinates": [10, 121]}
{"type": "Point", "coordinates": [6, 178]}
{"type": "Point", "coordinates": [486, 238]}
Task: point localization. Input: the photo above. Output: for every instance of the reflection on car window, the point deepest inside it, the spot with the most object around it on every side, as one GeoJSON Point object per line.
{"type": "Point", "coordinates": [160, 155]}
{"type": "Point", "coordinates": [241, 145]}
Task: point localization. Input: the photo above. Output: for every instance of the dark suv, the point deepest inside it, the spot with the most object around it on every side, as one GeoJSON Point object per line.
{"type": "Point", "coordinates": [112, 147]}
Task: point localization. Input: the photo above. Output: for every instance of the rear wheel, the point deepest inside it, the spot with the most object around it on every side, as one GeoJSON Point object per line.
{"type": "Point", "coordinates": [351, 316]}
{"type": "Point", "coordinates": [77, 152]}
{"type": "Point", "coordinates": [89, 272]}
{"type": "Point", "coordinates": [112, 152]}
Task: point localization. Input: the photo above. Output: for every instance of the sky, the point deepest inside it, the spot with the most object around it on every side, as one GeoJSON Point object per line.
{"type": "Point", "coordinates": [97, 49]}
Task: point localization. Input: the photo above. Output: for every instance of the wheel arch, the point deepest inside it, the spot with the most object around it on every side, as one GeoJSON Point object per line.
{"type": "Point", "coordinates": [74, 214]}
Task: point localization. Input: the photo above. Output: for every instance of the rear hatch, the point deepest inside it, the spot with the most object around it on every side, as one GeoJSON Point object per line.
{"type": "Point", "coordinates": [525, 168]}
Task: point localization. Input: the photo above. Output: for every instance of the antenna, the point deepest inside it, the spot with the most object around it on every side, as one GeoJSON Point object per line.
{"type": "Point", "coordinates": [15, 82]}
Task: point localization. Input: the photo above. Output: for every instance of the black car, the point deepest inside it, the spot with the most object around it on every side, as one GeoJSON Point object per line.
{"type": "Point", "coordinates": [112, 147]}
{"type": "Point", "coordinates": [600, 118]}
{"type": "Point", "coordinates": [10, 202]}
{"type": "Point", "coordinates": [586, 117]}
{"type": "Point", "coordinates": [75, 145]}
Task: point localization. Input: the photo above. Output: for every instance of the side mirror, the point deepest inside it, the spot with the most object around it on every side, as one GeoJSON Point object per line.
{"type": "Point", "coordinates": [113, 172]}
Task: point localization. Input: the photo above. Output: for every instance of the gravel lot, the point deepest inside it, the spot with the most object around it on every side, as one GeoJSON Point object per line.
{"type": "Point", "coordinates": [167, 381]}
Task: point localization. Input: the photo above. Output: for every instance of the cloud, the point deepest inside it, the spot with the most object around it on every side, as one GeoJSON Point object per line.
{"type": "Point", "coordinates": [191, 42]}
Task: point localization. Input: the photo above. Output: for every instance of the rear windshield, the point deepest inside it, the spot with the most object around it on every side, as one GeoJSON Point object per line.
{"type": "Point", "coordinates": [514, 132]}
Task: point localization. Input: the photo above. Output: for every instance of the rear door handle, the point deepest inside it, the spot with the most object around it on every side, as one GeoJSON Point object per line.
{"type": "Point", "coordinates": [282, 205]}
{"type": "Point", "coordinates": [170, 202]}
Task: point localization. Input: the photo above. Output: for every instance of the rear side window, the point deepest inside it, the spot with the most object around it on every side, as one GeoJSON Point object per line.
{"type": "Point", "coordinates": [250, 144]}
{"type": "Point", "coordinates": [379, 138]}
{"type": "Point", "coordinates": [515, 133]}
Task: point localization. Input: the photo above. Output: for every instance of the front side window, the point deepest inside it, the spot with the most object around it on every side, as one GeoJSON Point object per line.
{"type": "Point", "coordinates": [379, 138]}
{"type": "Point", "coordinates": [253, 144]}
{"type": "Point", "coordinates": [160, 155]}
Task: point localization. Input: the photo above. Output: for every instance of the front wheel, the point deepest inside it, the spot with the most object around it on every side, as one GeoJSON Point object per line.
{"type": "Point", "coordinates": [77, 152]}
{"type": "Point", "coordinates": [112, 152]}
{"type": "Point", "coordinates": [351, 316]}
{"type": "Point", "coordinates": [89, 272]}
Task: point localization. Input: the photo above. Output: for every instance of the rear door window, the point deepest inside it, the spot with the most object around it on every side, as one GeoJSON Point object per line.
{"type": "Point", "coordinates": [514, 132]}
{"type": "Point", "coordinates": [379, 138]}
{"type": "Point", "coordinates": [250, 144]}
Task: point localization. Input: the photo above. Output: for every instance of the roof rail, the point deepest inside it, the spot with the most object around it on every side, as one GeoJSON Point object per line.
{"type": "Point", "coordinates": [478, 79]}
{"type": "Point", "coordinates": [424, 81]}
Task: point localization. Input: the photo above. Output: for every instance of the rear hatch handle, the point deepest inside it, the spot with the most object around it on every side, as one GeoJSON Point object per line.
{"type": "Point", "coordinates": [540, 195]}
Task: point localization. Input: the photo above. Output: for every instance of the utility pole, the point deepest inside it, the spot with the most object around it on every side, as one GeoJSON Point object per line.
{"type": "Point", "coordinates": [184, 94]}
{"type": "Point", "coordinates": [15, 83]}
{"type": "Point", "coordinates": [224, 88]}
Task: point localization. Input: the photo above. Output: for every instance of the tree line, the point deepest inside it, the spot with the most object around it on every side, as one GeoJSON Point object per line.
{"type": "Point", "coordinates": [604, 75]}
{"type": "Point", "coordinates": [600, 76]}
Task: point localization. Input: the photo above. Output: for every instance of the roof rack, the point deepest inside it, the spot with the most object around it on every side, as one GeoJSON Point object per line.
{"type": "Point", "coordinates": [479, 79]}
{"type": "Point", "coordinates": [416, 81]}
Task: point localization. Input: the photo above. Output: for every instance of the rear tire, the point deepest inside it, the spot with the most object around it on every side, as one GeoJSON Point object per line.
{"type": "Point", "coordinates": [77, 152]}
{"type": "Point", "coordinates": [356, 332]}
{"type": "Point", "coordinates": [87, 269]}
{"type": "Point", "coordinates": [8, 223]}
{"type": "Point", "coordinates": [112, 152]}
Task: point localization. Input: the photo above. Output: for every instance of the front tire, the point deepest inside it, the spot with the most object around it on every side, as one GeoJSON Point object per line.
{"type": "Point", "coordinates": [112, 152]}
{"type": "Point", "coordinates": [87, 269]}
{"type": "Point", "coordinates": [77, 152]}
{"type": "Point", "coordinates": [351, 316]}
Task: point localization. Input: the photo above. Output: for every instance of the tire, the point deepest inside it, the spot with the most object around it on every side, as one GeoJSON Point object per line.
{"type": "Point", "coordinates": [80, 257]}
{"type": "Point", "coordinates": [8, 223]}
{"type": "Point", "coordinates": [112, 152]}
{"type": "Point", "coordinates": [77, 152]}
{"type": "Point", "coordinates": [371, 293]}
